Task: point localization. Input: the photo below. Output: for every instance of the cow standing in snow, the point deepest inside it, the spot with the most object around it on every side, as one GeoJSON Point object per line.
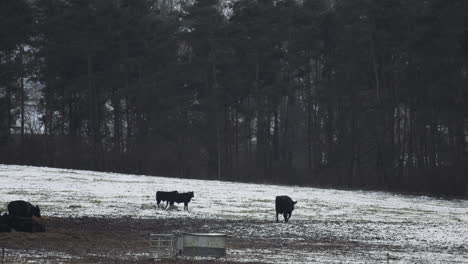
{"type": "Point", "coordinates": [284, 205]}
{"type": "Point", "coordinates": [169, 197]}
{"type": "Point", "coordinates": [184, 198]}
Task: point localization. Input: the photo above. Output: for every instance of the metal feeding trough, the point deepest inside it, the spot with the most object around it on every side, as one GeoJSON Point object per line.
{"type": "Point", "coordinates": [188, 244]}
{"type": "Point", "coordinates": [201, 244]}
{"type": "Point", "coordinates": [162, 245]}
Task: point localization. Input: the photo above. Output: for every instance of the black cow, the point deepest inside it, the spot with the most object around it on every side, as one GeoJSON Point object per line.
{"type": "Point", "coordinates": [5, 223]}
{"type": "Point", "coordinates": [284, 205]}
{"type": "Point", "coordinates": [23, 209]}
{"type": "Point", "coordinates": [169, 197]}
{"type": "Point", "coordinates": [26, 224]}
{"type": "Point", "coordinates": [184, 198]}
{"type": "Point", "coordinates": [21, 224]}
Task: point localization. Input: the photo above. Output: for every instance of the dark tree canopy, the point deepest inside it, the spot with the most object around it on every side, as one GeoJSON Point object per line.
{"type": "Point", "coordinates": [345, 93]}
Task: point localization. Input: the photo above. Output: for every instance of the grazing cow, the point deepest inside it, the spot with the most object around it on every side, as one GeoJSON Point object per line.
{"type": "Point", "coordinates": [284, 205]}
{"type": "Point", "coordinates": [184, 198]}
{"type": "Point", "coordinates": [169, 197]}
{"type": "Point", "coordinates": [23, 209]}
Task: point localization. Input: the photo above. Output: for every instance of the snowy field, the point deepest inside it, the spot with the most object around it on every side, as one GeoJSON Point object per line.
{"type": "Point", "coordinates": [368, 227]}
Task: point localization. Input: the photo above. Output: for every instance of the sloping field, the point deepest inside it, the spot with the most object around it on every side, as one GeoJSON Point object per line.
{"type": "Point", "coordinates": [327, 226]}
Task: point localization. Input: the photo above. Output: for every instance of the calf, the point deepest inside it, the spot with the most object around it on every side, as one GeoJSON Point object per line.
{"type": "Point", "coordinates": [284, 205]}
{"type": "Point", "coordinates": [23, 209]}
{"type": "Point", "coordinates": [169, 197]}
{"type": "Point", "coordinates": [184, 198]}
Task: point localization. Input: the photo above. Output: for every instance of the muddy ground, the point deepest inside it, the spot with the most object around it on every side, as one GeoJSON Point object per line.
{"type": "Point", "coordinates": [126, 240]}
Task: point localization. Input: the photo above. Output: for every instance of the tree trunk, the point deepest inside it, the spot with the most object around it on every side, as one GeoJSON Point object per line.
{"type": "Point", "coordinates": [22, 97]}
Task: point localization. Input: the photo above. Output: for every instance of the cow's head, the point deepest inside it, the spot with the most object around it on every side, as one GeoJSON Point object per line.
{"type": "Point", "coordinates": [36, 211]}
{"type": "Point", "coordinates": [191, 194]}
{"type": "Point", "coordinates": [294, 202]}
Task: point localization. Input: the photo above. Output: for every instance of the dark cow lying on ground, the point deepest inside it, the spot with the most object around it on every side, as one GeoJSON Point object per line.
{"type": "Point", "coordinates": [23, 209]}
{"type": "Point", "coordinates": [25, 224]}
{"type": "Point", "coordinates": [284, 205]}
{"type": "Point", "coordinates": [169, 197]}
{"type": "Point", "coordinates": [5, 223]}
{"type": "Point", "coordinates": [184, 198]}
{"type": "Point", "coordinates": [22, 216]}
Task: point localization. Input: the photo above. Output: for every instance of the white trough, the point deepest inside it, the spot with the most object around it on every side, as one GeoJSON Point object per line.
{"type": "Point", "coordinates": [201, 244]}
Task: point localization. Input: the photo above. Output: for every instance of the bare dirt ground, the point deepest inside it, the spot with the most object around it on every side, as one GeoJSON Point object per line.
{"type": "Point", "coordinates": [126, 240]}
{"type": "Point", "coordinates": [105, 240]}
{"type": "Point", "coordinates": [94, 240]}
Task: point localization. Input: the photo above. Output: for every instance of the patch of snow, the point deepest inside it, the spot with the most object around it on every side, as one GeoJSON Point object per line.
{"type": "Point", "coordinates": [414, 228]}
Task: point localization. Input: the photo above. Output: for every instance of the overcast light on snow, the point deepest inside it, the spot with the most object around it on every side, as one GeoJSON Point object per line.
{"type": "Point", "coordinates": [418, 222]}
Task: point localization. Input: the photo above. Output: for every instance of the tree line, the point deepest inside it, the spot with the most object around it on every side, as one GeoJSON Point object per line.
{"type": "Point", "coordinates": [343, 93]}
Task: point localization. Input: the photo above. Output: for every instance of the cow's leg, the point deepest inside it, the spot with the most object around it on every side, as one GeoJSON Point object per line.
{"type": "Point", "coordinates": [158, 202]}
{"type": "Point", "coordinates": [277, 220]}
{"type": "Point", "coordinates": [186, 206]}
{"type": "Point", "coordinates": [167, 203]}
{"type": "Point", "coordinates": [285, 215]}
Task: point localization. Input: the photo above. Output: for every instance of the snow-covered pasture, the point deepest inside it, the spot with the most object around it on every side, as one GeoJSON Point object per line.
{"type": "Point", "coordinates": [410, 229]}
